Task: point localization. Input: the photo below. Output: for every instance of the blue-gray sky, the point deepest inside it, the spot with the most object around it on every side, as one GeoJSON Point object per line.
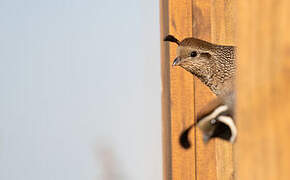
{"type": "Point", "coordinates": [80, 90]}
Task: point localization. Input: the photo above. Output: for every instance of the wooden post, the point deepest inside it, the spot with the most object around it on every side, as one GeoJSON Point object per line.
{"type": "Point", "coordinates": [183, 95]}
{"type": "Point", "coordinates": [178, 94]}
{"type": "Point", "coordinates": [263, 146]}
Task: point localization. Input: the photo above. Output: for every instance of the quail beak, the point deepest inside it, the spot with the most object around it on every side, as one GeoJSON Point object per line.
{"type": "Point", "coordinates": [176, 61]}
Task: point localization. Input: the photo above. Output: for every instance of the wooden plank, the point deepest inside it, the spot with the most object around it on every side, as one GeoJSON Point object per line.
{"type": "Point", "coordinates": [184, 95]}
{"type": "Point", "coordinates": [263, 146]}
{"type": "Point", "coordinates": [215, 22]}
{"type": "Point", "coordinates": [181, 90]}
{"type": "Point", "coordinates": [205, 153]}
{"type": "Point", "coordinates": [178, 92]}
{"type": "Point", "coordinates": [223, 32]}
{"type": "Point", "coordinates": [165, 98]}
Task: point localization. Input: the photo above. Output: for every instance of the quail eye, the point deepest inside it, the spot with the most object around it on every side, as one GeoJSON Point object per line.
{"type": "Point", "coordinates": [193, 54]}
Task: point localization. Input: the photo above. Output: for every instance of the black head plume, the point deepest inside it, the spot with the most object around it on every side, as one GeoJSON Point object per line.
{"type": "Point", "coordinates": [183, 139]}
{"type": "Point", "coordinates": [172, 39]}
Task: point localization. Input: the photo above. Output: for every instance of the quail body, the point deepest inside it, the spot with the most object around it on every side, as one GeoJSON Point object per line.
{"type": "Point", "coordinates": [215, 66]}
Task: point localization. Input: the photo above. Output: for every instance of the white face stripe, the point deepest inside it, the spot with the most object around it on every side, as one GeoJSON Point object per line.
{"type": "Point", "coordinates": [213, 115]}
{"type": "Point", "coordinates": [229, 121]}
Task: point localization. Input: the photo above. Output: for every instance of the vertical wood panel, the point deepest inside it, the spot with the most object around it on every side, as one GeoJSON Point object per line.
{"type": "Point", "coordinates": [205, 153]}
{"type": "Point", "coordinates": [181, 90]}
{"type": "Point", "coordinates": [223, 32]}
{"type": "Point", "coordinates": [180, 87]}
{"type": "Point", "coordinates": [215, 22]}
{"type": "Point", "coordinates": [263, 146]}
{"type": "Point", "coordinates": [184, 95]}
{"type": "Point", "coordinates": [165, 98]}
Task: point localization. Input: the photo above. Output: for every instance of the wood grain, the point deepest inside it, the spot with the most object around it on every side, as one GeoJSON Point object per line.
{"type": "Point", "coordinates": [223, 23]}
{"type": "Point", "coordinates": [205, 153]}
{"type": "Point", "coordinates": [165, 95]}
{"type": "Point", "coordinates": [263, 146]}
{"type": "Point", "coordinates": [183, 95]}
{"type": "Point", "coordinates": [215, 159]}
{"type": "Point", "coordinates": [179, 92]}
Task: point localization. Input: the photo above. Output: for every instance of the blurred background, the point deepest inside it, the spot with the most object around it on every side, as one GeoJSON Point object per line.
{"type": "Point", "coordinates": [80, 94]}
